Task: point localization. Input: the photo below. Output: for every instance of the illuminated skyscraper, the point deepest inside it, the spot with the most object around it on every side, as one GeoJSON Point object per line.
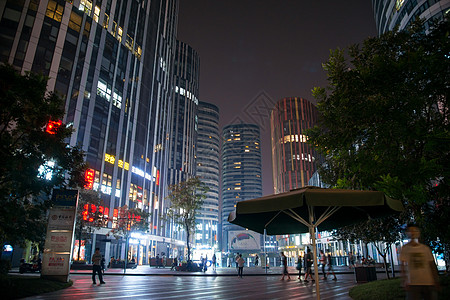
{"type": "Point", "coordinates": [184, 120]}
{"type": "Point", "coordinates": [391, 13]}
{"type": "Point", "coordinates": [208, 156]}
{"type": "Point", "coordinates": [112, 63]}
{"type": "Point", "coordinates": [293, 159]}
{"type": "Point", "coordinates": [241, 170]}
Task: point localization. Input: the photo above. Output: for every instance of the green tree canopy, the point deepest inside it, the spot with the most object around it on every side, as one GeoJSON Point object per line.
{"type": "Point", "coordinates": [186, 198]}
{"type": "Point", "coordinates": [384, 120]}
{"type": "Point", "coordinates": [27, 174]}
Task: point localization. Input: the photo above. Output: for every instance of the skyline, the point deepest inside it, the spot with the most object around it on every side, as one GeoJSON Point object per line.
{"type": "Point", "coordinates": [246, 65]}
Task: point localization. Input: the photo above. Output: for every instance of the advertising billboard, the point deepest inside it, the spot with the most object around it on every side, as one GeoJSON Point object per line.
{"type": "Point", "coordinates": [244, 240]}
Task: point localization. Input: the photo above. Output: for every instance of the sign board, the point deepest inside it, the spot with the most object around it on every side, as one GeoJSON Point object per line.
{"type": "Point", "coordinates": [59, 238]}
{"type": "Point", "coordinates": [244, 240]}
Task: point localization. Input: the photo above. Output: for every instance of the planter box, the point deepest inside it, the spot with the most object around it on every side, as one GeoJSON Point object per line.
{"type": "Point", "coordinates": [365, 274]}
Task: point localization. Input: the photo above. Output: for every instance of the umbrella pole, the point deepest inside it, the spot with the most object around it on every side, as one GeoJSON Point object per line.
{"type": "Point", "coordinates": [265, 252]}
{"type": "Point", "coordinates": [313, 237]}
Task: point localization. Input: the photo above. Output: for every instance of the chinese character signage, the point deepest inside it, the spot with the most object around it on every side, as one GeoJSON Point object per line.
{"type": "Point", "coordinates": [60, 231]}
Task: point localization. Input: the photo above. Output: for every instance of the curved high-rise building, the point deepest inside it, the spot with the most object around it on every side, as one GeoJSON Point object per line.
{"type": "Point", "coordinates": [241, 170]}
{"type": "Point", "coordinates": [112, 63]}
{"type": "Point", "coordinates": [184, 120]}
{"type": "Point", "coordinates": [293, 159]}
{"type": "Point", "coordinates": [208, 156]}
{"type": "Point", "coordinates": [391, 13]}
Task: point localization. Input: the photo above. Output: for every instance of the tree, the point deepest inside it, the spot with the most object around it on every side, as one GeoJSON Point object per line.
{"type": "Point", "coordinates": [375, 231]}
{"type": "Point", "coordinates": [89, 217]}
{"type": "Point", "coordinates": [129, 220]}
{"type": "Point", "coordinates": [186, 198]}
{"type": "Point", "coordinates": [384, 118]}
{"type": "Point", "coordinates": [34, 160]}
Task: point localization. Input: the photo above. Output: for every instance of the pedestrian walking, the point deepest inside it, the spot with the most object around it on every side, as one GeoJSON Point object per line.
{"type": "Point", "coordinates": [323, 263]}
{"type": "Point", "coordinates": [174, 264]}
{"type": "Point", "coordinates": [419, 272]}
{"type": "Point", "coordinates": [240, 262]}
{"type": "Point", "coordinates": [330, 266]}
{"type": "Point", "coordinates": [236, 259]}
{"type": "Point", "coordinates": [284, 263]}
{"type": "Point", "coordinates": [351, 260]}
{"type": "Point", "coordinates": [158, 261]}
{"type": "Point", "coordinates": [213, 261]}
{"type": "Point", "coordinates": [256, 260]}
{"type": "Point", "coordinates": [102, 264]}
{"type": "Point", "coordinates": [96, 267]}
{"type": "Point", "coordinates": [299, 267]}
{"type": "Point", "coordinates": [308, 264]}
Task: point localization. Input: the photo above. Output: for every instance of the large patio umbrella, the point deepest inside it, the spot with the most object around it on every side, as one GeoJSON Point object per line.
{"type": "Point", "coordinates": [310, 208]}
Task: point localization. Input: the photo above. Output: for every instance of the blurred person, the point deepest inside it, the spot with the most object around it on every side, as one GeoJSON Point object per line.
{"type": "Point", "coordinates": [240, 262]}
{"type": "Point", "coordinates": [308, 264]}
{"type": "Point", "coordinates": [330, 266]}
{"type": "Point", "coordinates": [323, 263]}
{"type": "Point", "coordinates": [96, 266]}
{"type": "Point", "coordinates": [299, 267]}
{"type": "Point", "coordinates": [418, 269]}
{"type": "Point", "coordinates": [284, 263]}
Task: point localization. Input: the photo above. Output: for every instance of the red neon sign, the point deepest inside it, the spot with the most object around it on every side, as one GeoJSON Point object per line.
{"type": "Point", "coordinates": [89, 179]}
{"type": "Point", "coordinates": [52, 126]}
{"type": "Point", "coordinates": [157, 177]}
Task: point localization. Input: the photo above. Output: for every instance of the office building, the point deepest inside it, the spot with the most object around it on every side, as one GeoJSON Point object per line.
{"type": "Point", "coordinates": [208, 165]}
{"type": "Point", "coordinates": [401, 13]}
{"type": "Point", "coordinates": [293, 159]}
{"type": "Point", "coordinates": [241, 179]}
{"type": "Point", "coordinates": [112, 63]}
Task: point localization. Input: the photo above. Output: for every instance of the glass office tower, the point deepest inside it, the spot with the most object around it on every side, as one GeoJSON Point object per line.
{"type": "Point", "coordinates": [241, 174]}
{"type": "Point", "coordinates": [391, 13]}
{"type": "Point", "coordinates": [111, 60]}
{"type": "Point", "coordinates": [208, 155]}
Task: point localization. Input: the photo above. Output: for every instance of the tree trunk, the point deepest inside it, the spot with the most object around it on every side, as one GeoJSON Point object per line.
{"type": "Point", "coordinates": [188, 246]}
{"type": "Point", "coordinates": [79, 240]}
{"type": "Point", "coordinates": [384, 259]}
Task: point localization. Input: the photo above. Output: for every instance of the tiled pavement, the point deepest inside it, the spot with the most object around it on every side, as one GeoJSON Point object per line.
{"type": "Point", "coordinates": [224, 284]}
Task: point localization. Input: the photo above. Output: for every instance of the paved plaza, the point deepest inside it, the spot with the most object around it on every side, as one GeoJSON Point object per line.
{"type": "Point", "coordinates": [149, 283]}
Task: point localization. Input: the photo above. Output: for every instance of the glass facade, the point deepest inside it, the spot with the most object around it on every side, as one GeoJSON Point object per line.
{"type": "Point", "coordinates": [112, 62]}
{"type": "Point", "coordinates": [241, 170]}
{"type": "Point", "coordinates": [391, 13]}
{"type": "Point", "coordinates": [293, 159]}
{"type": "Point", "coordinates": [208, 155]}
{"type": "Point", "coordinates": [184, 124]}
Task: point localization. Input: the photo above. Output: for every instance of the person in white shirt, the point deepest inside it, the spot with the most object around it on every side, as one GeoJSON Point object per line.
{"type": "Point", "coordinates": [419, 272]}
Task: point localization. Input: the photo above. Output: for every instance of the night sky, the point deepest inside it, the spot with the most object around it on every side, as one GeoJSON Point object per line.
{"type": "Point", "coordinates": [255, 52]}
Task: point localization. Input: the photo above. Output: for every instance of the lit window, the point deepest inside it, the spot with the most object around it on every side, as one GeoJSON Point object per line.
{"type": "Point", "coordinates": [117, 100]}
{"type": "Point", "coordinates": [138, 52]}
{"type": "Point", "coordinates": [96, 14]}
{"type": "Point", "coordinates": [129, 42]}
{"type": "Point", "coordinates": [54, 11]}
{"type": "Point", "coordinates": [106, 21]}
{"type": "Point", "coordinates": [86, 5]}
{"type": "Point", "coordinates": [103, 90]}
{"type": "Point", "coordinates": [399, 4]}
{"type": "Point", "coordinates": [119, 33]}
